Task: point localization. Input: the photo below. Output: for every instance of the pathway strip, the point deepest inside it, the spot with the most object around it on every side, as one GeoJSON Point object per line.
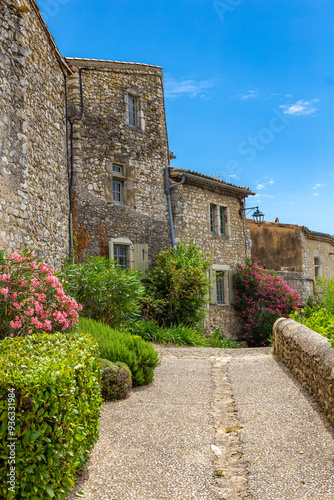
{"type": "Point", "coordinates": [288, 444]}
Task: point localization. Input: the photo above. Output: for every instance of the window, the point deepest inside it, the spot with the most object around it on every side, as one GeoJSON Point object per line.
{"type": "Point", "coordinates": [220, 275]}
{"type": "Point", "coordinates": [117, 192]}
{"type": "Point", "coordinates": [117, 185]}
{"type": "Point", "coordinates": [222, 220]}
{"type": "Point", "coordinates": [212, 219]}
{"type": "Point", "coordinates": [221, 285]}
{"type": "Point", "coordinates": [117, 169]}
{"type": "Point", "coordinates": [133, 111]}
{"type": "Point", "coordinates": [121, 255]}
{"type": "Point", "coordinates": [316, 266]}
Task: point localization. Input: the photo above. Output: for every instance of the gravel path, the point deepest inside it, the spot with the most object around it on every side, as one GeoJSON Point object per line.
{"type": "Point", "coordinates": [215, 424]}
{"type": "Point", "coordinates": [156, 444]}
{"type": "Point", "coordinates": [286, 440]}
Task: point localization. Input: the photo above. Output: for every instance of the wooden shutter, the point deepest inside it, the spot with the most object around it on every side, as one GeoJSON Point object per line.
{"type": "Point", "coordinates": [213, 287]}
{"type": "Point", "coordinates": [111, 250]}
{"type": "Point", "coordinates": [230, 286]}
{"type": "Point", "coordinates": [141, 257]}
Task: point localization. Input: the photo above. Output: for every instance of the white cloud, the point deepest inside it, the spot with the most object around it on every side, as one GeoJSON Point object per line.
{"type": "Point", "coordinates": [315, 194]}
{"type": "Point", "coordinates": [261, 195]}
{"type": "Point", "coordinates": [260, 186]}
{"type": "Point", "coordinates": [187, 87]}
{"type": "Point", "coordinates": [271, 182]}
{"type": "Point", "coordinates": [233, 176]}
{"type": "Point", "coordinates": [251, 94]}
{"type": "Point", "coordinates": [318, 186]}
{"type": "Point", "coordinates": [300, 108]}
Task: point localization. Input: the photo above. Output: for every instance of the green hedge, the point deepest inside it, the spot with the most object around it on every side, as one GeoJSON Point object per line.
{"type": "Point", "coordinates": [139, 355]}
{"type": "Point", "coordinates": [54, 386]}
{"type": "Point", "coordinates": [116, 380]}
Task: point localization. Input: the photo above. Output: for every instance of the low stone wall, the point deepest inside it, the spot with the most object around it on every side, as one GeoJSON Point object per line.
{"type": "Point", "coordinates": [308, 355]}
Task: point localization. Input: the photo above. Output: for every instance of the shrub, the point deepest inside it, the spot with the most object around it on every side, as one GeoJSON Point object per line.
{"type": "Point", "coordinates": [50, 402]}
{"type": "Point", "coordinates": [116, 380]}
{"type": "Point", "coordinates": [261, 298]}
{"type": "Point", "coordinates": [178, 286]}
{"type": "Point", "coordinates": [174, 334]}
{"type": "Point", "coordinates": [324, 295]}
{"type": "Point", "coordinates": [132, 350]}
{"type": "Point", "coordinates": [32, 299]}
{"type": "Point", "coordinates": [106, 292]}
{"type": "Point", "coordinates": [179, 335]}
{"type": "Point", "coordinates": [319, 320]}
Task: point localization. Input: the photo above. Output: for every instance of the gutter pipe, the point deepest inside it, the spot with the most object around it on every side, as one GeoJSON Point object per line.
{"type": "Point", "coordinates": [168, 187]}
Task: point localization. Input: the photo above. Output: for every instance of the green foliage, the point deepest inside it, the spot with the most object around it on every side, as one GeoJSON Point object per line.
{"type": "Point", "coordinates": [53, 411]}
{"type": "Point", "coordinates": [261, 297]}
{"type": "Point", "coordinates": [132, 350]}
{"type": "Point", "coordinates": [178, 286]}
{"type": "Point", "coordinates": [319, 320]}
{"type": "Point", "coordinates": [178, 335]}
{"type": "Point", "coordinates": [324, 295]}
{"type": "Point", "coordinates": [174, 334]}
{"type": "Point", "coordinates": [116, 380]}
{"type": "Point", "coordinates": [106, 292]}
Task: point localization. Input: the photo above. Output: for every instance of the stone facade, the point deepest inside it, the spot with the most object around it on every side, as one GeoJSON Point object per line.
{"type": "Point", "coordinates": [309, 357]}
{"type": "Point", "coordinates": [191, 210]}
{"type": "Point", "coordinates": [295, 252]}
{"type": "Point", "coordinates": [33, 176]}
{"type": "Point", "coordinates": [102, 138]}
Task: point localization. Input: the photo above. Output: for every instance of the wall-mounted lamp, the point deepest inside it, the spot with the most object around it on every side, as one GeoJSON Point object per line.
{"type": "Point", "coordinates": [257, 215]}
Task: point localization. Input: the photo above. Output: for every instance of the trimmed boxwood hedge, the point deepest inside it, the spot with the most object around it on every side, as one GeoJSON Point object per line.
{"type": "Point", "coordinates": [56, 383]}
{"type": "Point", "coordinates": [116, 380]}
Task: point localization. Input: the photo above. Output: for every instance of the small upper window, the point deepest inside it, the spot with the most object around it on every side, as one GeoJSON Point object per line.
{"type": "Point", "coordinates": [117, 169]}
{"type": "Point", "coordinates": [222, 220]}
{"type": "Point", "coordinates": [133, 111]}
{"type": "Point", "coordinates": [316, 267]}
{"type": "Point", "coordinates": [212, 219]}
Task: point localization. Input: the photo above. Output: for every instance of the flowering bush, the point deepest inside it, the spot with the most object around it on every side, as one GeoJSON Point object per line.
{"type": "Point", "coordinates": [261, 298]}
{"type": "Point", "coordinates": [32, 299]}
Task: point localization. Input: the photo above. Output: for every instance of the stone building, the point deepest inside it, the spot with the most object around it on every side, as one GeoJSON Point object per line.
{"type": "Point", "coordinates": [209, 211]}
{"type": "Point", "coordinates": [298, 254]}
{"type": "Point", "coordinates": [33, 175]}
{"type": "Point", "coordinates": [85, 163]}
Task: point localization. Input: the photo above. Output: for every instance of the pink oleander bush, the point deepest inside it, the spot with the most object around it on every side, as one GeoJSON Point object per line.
{"type": "Point", "coordinates": [261, 297]}
{"type": "Point", "coordinates": [32, 299]}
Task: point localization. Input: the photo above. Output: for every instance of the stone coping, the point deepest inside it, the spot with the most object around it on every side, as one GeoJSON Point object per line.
{"type": "Point", "coordinates": [308, 356]}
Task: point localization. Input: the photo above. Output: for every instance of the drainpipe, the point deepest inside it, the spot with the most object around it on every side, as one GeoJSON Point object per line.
{"type": "Point", "coordinates": [168, 187]}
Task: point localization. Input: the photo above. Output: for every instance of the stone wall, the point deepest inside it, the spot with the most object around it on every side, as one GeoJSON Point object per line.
{"type": "Point", "coordinates": [309, 357]}
{"type": "Point", "coordinates": [322, 249]}
{"type": "Point", "coordinates": [102, 137]}
{"type": "Point", "coordinates": [33, 169]}
{"type": "Point", "coordinates": [298, 282]}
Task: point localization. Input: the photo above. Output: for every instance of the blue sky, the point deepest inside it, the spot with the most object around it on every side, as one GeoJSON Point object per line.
{"type": "Point", "coordinates": [249, 88]}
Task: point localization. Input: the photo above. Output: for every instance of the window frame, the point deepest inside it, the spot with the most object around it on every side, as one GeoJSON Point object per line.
{"type": "Point", "coordinates": [220, 277]}
{"type": "Point", "coordinates": [133, 113]}
{"type": "Point", "coordinates": [213, 218]}
{"type": "Point", "coordinates": [222, 213]}
{"type": "Point", "coordinates": [121, 185]}
{"type": "Point", "coordinates": [125, 248]}
{"type": "Point", "coordinates": [316, 262]}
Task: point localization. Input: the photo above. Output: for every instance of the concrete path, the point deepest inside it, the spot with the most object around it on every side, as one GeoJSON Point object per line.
{"type": "Point", "coordinates": [215, 424]}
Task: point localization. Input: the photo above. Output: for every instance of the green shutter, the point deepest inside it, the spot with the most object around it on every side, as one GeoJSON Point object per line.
{"type": "Point", "coordinates": [141, 257]}
{"type": "Point", "coordinates": [213, 288]}
{"type": "Point", "coordinates": [230, 286]}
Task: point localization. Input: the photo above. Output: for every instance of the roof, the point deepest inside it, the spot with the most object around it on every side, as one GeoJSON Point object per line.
{"type": "Point", "coordinates": [309, 233]}
{"type": "Point", "coordinates": [107, 62]}
{"type": "Point", "coordinates": [211, 180]}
